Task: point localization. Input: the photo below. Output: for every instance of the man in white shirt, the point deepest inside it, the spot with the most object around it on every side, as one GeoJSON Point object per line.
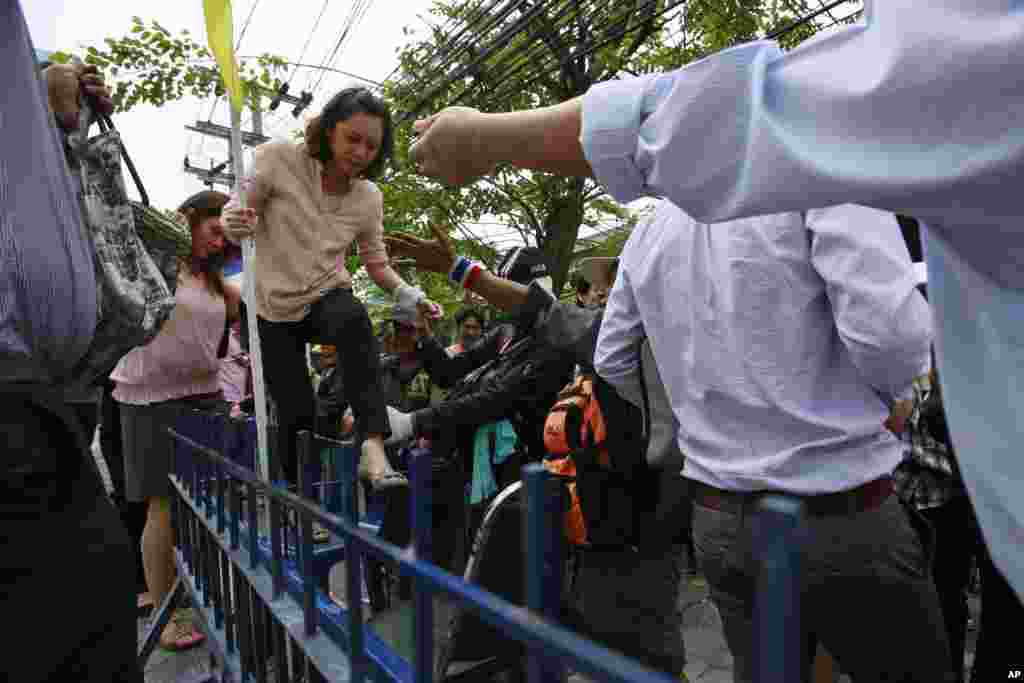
{"type": "Point", "coordinates": [782, 340]}
{"type": "Point", "coordinates": [916, 111]}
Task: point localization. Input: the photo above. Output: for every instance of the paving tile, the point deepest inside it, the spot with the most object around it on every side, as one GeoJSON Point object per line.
{"type": "Point", "coordinates": [703, 643]}
{"type": "Point", "coordinates": [715, 676]}
{"type": "Point", "coordinates": [695, 668]}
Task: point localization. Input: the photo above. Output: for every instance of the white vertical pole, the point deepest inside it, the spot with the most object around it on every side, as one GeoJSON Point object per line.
{"type": "Point", "coordinates": [249, 295]}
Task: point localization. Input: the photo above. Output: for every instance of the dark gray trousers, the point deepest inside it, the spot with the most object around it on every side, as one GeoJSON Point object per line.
{"type": "Point", "coordinates": [867, 591]}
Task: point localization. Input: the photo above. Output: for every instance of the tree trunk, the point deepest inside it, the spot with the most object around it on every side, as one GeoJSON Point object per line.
{"type": "Point", "coordinates": [561, 227]}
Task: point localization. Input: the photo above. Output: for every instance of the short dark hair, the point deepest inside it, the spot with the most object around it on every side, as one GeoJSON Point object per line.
{"type": "Point", "coordinates": [342, 107]}
{"type": "Point", "coordinates": [467, 313]}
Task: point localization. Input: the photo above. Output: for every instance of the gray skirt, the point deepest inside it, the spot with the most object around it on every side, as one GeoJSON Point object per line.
{"type": "Point", "coordinates": [147, 446]}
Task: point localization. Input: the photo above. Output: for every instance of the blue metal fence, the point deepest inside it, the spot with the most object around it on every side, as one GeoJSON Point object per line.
{"type": "Point", "coordinates": [263, 603]}
{"type": "Point", "coordinates": [259, 607]}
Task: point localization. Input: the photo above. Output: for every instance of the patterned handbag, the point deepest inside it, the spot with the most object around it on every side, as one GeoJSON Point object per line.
{"type": "Point", "coordinates": [136, 259]}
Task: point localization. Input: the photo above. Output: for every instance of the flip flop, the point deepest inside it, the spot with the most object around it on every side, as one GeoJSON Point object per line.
{"type": "Point", "coordinates": [186, 637]}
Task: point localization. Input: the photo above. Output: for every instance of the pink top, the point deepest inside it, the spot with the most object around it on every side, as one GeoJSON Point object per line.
{"type": "Point", "coordinates": [234, 370]}
{"type": "Point", "coordinates": [182, 359]}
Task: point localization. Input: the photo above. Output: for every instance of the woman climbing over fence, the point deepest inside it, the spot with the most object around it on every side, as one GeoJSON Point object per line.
{"type": "Point", "coordinates": [305, 204]}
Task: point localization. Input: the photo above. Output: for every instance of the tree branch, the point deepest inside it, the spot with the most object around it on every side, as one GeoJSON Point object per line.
{"type": "Point", "coordinates": [517, 199]}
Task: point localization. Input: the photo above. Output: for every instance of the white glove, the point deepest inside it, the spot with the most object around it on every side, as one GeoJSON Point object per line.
{"type": "Point", "coordinates": [239, 223]}
{"type": "Point", "coordinates": [451, 146]}
{"type": "Point", "coordinates": [401, 427]}
{"type": "Point", "coordinates": [408, 297]}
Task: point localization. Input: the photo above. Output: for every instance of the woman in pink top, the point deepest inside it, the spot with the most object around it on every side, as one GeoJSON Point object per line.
{"type": "Point", "coordinates": [307, 203]}
{"type": "Point", "coordinates": [159, 382]}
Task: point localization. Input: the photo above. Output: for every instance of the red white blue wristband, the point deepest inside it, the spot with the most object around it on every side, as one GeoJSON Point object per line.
{"type": "Point", "coordinates": [464, 272]}
{"type": "Point", "coordinates": [459, 269]}
{"type": "Point", "coordinates": [471, 277]}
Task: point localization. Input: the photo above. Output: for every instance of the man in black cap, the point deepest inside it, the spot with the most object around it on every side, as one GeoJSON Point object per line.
{"type": "Point", "coordinates": [508, 376]}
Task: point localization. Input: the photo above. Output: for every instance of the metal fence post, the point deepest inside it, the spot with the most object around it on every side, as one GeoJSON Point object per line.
{"type": "Point", "coordinates": [349, 503]}
{"type": "Point", "coordinates": [305, 540]}
{"type": "Point", "coordinates": [421, 468]}
{"type": "Point", "coordinates": [779, 647]}
{"type": "Point", "coordinates": [544, 560]}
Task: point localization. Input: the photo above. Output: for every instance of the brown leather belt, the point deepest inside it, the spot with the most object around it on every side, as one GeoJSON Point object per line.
{"type": "Point", "coordinates": [861, 499]}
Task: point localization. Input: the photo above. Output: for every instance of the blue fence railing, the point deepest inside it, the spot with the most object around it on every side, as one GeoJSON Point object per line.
{"type": "Point", "coordinates": [262, 598]}
{"type": "Point", "coordinates": [263, 610]}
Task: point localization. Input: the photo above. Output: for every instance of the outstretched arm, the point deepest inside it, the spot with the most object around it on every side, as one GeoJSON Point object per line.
{"type": "Point", "coordinates": [438, 256]}
{"type": "Point", "coordinates": [865, 114]}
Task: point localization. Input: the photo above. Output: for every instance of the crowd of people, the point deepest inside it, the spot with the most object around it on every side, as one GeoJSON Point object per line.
{"type": "Point", "coordinates": [764, 330]}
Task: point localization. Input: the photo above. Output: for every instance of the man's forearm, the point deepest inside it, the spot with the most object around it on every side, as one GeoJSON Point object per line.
{"type": "Point", "coordinates": [500, 293]}
{"type": "Point", "coordinates": [545, 139]}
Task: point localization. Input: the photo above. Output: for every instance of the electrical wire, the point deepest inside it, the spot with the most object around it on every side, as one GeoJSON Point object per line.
{"type": "Point", "coordinates": [309, 39]}
{"type": "Point", "coordinates": [543, 67]}
{"type": "Point", "coordinates": [359, 9]}
{"type": "Point", "coordinates": [552, 62]}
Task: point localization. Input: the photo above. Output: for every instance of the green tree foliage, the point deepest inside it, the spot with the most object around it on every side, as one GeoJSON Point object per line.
{"type": "Point", "coordinates": [575, 49]}
{"type": "Point", "coordinates": [151, 65]}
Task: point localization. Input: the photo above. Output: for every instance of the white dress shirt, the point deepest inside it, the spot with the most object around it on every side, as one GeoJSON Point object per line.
{"type": "Point", "coordinates": [919, 110]}
{"type": "Point", "coordinates": [781, 341]}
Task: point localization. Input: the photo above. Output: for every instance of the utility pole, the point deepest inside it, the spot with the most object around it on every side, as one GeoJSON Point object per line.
{"type": "Point", "coordinates": [214, 176]}
{"type": "Point", "coordinates": [217, 173]}
{"type": "Point", "coordinates": [300, 102]}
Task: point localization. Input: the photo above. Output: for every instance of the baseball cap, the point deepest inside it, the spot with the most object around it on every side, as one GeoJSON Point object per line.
{"type": "Point", "coordinates": [209, 202]}
{"type": "Point", "coordinates": [524, 265]}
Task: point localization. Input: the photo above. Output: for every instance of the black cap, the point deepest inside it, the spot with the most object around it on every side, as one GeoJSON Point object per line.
{"type": "Point", "coordinates": [209, 202]}
{"type": "Point", "coordinates": [523, 265]}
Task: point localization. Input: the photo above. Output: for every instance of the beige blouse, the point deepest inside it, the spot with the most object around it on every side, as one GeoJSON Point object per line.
{"type": "Point", "coordinates": [303, 234]}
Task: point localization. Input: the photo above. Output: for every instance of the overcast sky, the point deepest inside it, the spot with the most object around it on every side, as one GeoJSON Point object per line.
{"type": "Point", "coordinates": [156, 138]}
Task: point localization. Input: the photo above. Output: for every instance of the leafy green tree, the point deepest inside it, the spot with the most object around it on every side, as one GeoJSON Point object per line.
{"type": "Point", "coordinates": [552, 55]}
{"type": "Point", "coordinates": [151, 65]}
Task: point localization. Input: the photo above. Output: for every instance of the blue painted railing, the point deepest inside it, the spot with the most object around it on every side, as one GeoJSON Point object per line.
{"type": "Point", "coordinates": [255, 611]}
{"type": "Point", "coordinates": [259, 602]}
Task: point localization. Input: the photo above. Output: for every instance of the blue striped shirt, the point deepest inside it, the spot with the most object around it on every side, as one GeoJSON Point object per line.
{"type": "Point", "coordinates": [47, 278]}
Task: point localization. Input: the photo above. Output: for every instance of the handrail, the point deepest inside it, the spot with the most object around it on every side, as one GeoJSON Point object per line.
{"type": "Point", "coordinates": [527, 626]}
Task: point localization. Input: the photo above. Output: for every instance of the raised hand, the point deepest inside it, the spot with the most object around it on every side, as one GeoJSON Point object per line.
{"type": "Point", "coordinates": [450, 147]}
{"type": "Point", "coordinates": [239, 223]}
{"type": "Point", "coordinates": [436, 255]}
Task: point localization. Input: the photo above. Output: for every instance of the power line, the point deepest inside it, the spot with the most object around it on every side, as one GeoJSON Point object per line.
{"type": "Point", "coordinates": [615, 26]}
{"type": "Point", "coordinates": [355, 17]}
{"type": "Point", "coordinates": [245, 26]}
{"type": "Point", "coordinates": [316, 24]}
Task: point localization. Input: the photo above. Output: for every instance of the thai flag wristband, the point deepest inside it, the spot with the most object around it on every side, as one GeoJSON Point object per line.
{"type": "Point", "coordinates": [472, 276]}
{"type": "Point", "coordinates": [459, 270]}
{"type": "Point", "coordinates": [464, 272]}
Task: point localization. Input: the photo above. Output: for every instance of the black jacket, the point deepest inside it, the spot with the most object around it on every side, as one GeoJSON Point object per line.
{"type": "Point", "coordinates": [510, 375]}
{"type": "Point", "coordinates": [624, 505]}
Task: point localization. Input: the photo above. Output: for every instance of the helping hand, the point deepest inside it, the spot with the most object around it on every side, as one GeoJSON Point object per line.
{"type": "Point", "coordinates": [401, 427]}
{"type": "Point", "coordinates": [435, 256]}
{"type": "Point", "coordinates": [239, 223]}
{"type": "Point", "coordinates": [451, 147]}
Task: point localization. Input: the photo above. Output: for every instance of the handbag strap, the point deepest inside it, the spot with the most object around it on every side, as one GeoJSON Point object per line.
{"type": "Point", "coordinates": [107, 125]}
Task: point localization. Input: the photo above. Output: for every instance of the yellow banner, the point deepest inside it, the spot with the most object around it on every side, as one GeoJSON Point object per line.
{"type": "Point", "coordinates": [220, 36]}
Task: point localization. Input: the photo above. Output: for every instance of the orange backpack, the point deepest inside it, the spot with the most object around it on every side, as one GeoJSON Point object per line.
{"type": "Point", "coordinates": [574, 436]}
